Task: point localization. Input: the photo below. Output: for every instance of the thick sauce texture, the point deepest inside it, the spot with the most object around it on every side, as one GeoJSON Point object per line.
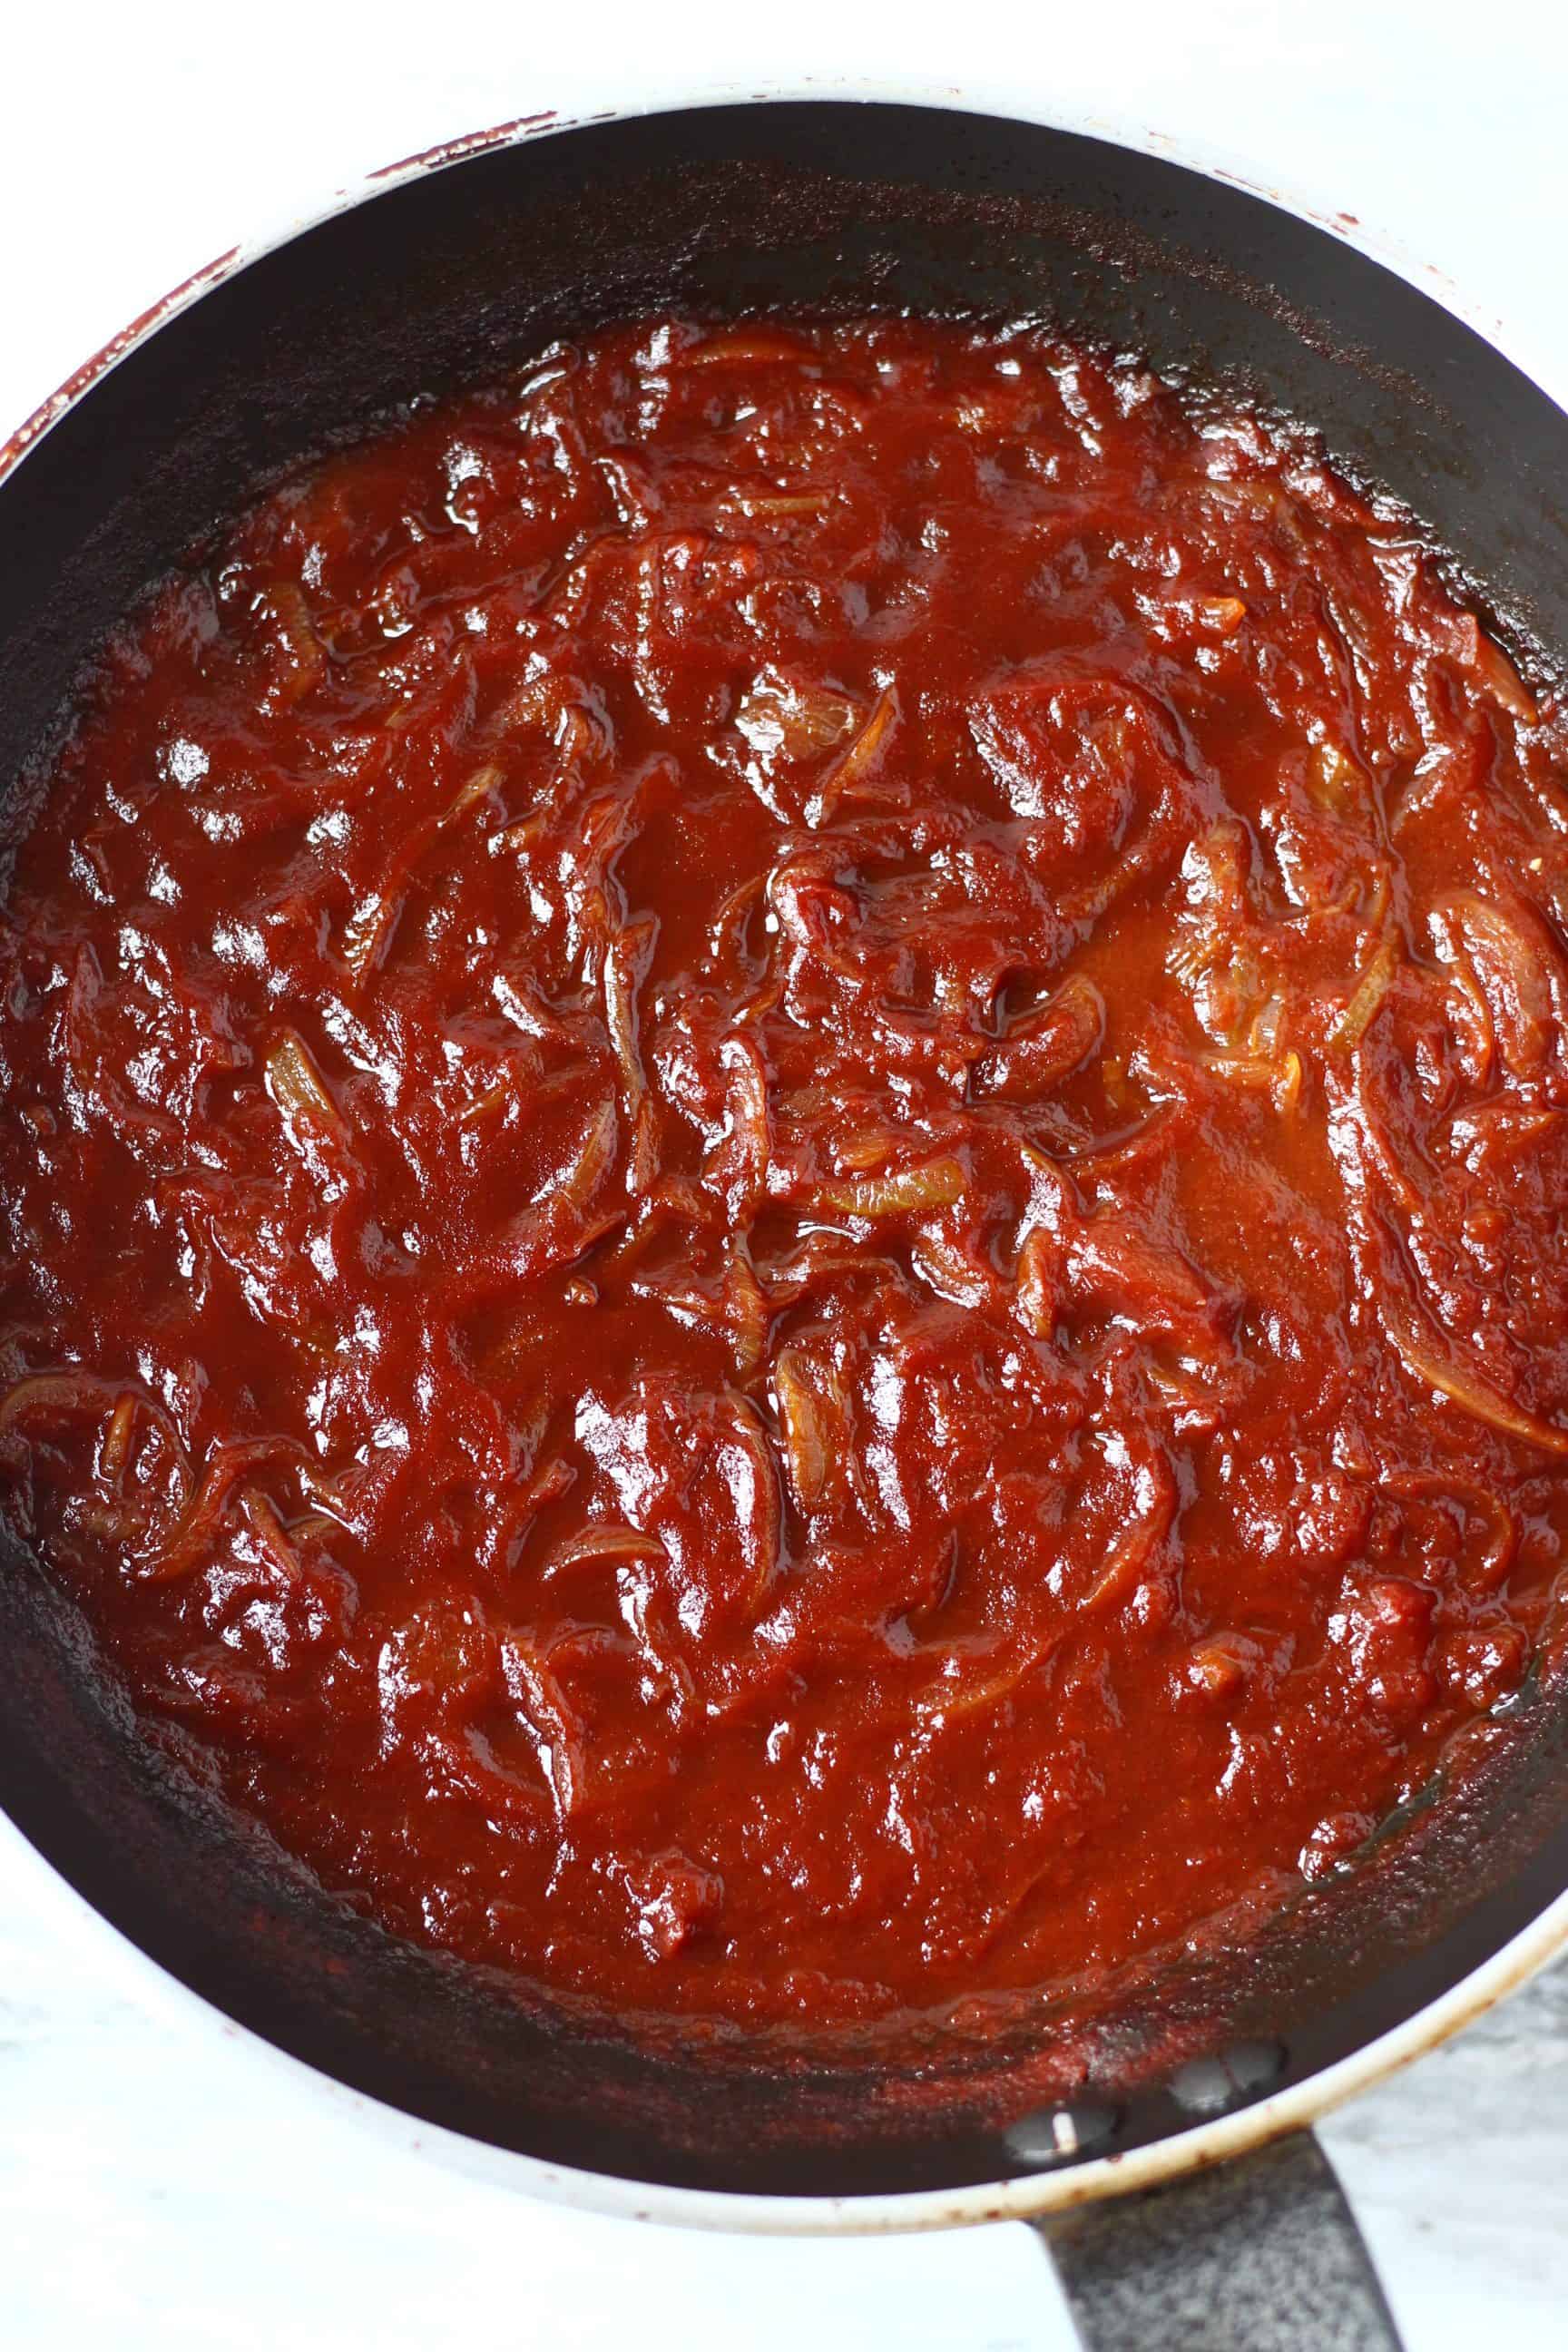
{"type": "Point", "coordinates": [782, 1162]}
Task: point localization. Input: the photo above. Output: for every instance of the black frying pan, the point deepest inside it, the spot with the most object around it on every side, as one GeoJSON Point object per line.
{"type": "Point", "coordinates": [449, 275]}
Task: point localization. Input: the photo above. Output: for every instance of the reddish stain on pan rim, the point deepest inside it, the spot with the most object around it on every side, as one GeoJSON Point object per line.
{"type": "Point", "coordinates": [473, 142]}
{"type": "Point", "coordinates": [84, 378]}
{"type": "Point", "coordinates": [212, 273]}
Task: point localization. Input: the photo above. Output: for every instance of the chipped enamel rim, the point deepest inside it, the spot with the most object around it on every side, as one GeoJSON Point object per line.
{"type": "Point", "coordinates": [1039, 2194]}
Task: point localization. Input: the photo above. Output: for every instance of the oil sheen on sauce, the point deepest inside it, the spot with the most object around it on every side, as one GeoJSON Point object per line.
{"type": "Point", "coordinates": [781, 1161]}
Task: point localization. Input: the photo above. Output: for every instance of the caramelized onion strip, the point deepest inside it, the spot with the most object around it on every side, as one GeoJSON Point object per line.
{"type": "Point", "coordinates": [1367, 998]}
{"type": "Point", "coordinates": [813, 1421]}
{"type": "Point", "coordinates": [202, 1517]}
{"type": "Point", "coordinates": [1465, 1387]}
{"type": "Point", "coordinates": [956, 1701]}
{"type": "Point", "coordinates": [1502, 1524]}
{"type": "Point", "coordinates": [935, 1184]}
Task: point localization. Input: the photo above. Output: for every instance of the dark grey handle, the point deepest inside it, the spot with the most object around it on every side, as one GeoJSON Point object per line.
{"type": "Point", "coordinates": [1261, 2254]}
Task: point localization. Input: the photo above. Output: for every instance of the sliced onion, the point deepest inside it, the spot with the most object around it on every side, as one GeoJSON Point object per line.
{"type": "Point", "coordinates": [948, 1269]}
{"type": "Point", "coordinates": [1487, 658]}
{"type": "Point", "coordinates": [181, 1549]}
{"type": "Point", "coordinates": [1039, 1282]}
{"type": "Point", "coordinates": [781, 718]}
{"type": "Point", "coordinates": [935, 1184]}
{"type": "Point", "coordinates": [1046, 1045]}
{"type": "Point", "coordinates": [297, 1086]}
{"type": "Point", "coordinates": [535, 1689]}
{"type": "Point", "coordinates": [1465, 1387]}
{"type": "Point", "coordinates": [373, 917]}
{"type": "Point", "coordinates": [814, 1419]}
{"type": "Point", "coordinates": [739, 1163]}
{"type": "Point", "coordinates": [619, 979]}
{"type": "Point", "coordinates": [867, 1148]}
{"type": "Point", "coordinates": [954, 1699]}
{"type": "Point", "coordinates": [115, 1449]}
{"type": "Point", "coordinates": [642, 1174]}
{"type": "Point", "coordinates": [479, 787]}
{"type": "Point", "coordinates": [726, 932]}
{"type": "Point", "coordinates": [1278, 1076]}
{"type": "Point", "coordinates": [609, 1540]}
{"type": "Point", "coordinates": [760, 506]}
{"type": "Point", "coordinates": [266, 1532]}
{"type": "Point", "coordinates": [743, 347]}
{"type": "Point", "coordinates": [587, 1171]}
{"type": "Point", "coordinates": [1334, 780]}
{"type": "Point", "coordinates": [56, 1396]}
{"type": "Point", "coordinates": [297, 635]}
{"type": "Point", "coordinates": [858, 758]}
{"type": "Point", "coordinates": [70, 1395]}
{"type": "Point", "coordinates": [485, 1106]}
{"type": "Point", "coordinates": [1367, 998]}
{"type": "Point", "coordinates": [1124, 1569]}
{"type": "Point", "coordinates": [746, 1312]}
{"type": "Point", "coordinates": [1511, 968]}
{"type": "Point", "coordinates": [1502, 1525]}
{"type": "Point", "coordinates": [747, 1431]}
{"type": "Point", "coordinates": [363, 931]}
{"type": "Point", "coordinates": [1109, 1257]}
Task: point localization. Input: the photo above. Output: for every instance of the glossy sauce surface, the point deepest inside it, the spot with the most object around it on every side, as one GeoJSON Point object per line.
{"type": "Point", "coordinates": [783, 1142]}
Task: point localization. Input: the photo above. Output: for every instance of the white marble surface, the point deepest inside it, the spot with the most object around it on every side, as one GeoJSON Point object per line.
{"type": "Point", "coordinates": [164, 2187]}
{"type": "Point", "coordinates": [161, 2185]}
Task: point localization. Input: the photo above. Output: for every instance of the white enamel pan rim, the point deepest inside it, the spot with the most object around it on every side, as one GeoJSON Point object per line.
{"type": "Point", "coordinates": [1036, 2194]}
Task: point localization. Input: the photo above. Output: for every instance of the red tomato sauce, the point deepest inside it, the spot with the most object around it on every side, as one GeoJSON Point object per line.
{"type": "Point", "coordinates": [782, 1161]}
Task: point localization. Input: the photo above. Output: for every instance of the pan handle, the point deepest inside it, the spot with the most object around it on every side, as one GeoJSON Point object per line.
{"type": "Point", "coordinates": [1260, 2254]}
